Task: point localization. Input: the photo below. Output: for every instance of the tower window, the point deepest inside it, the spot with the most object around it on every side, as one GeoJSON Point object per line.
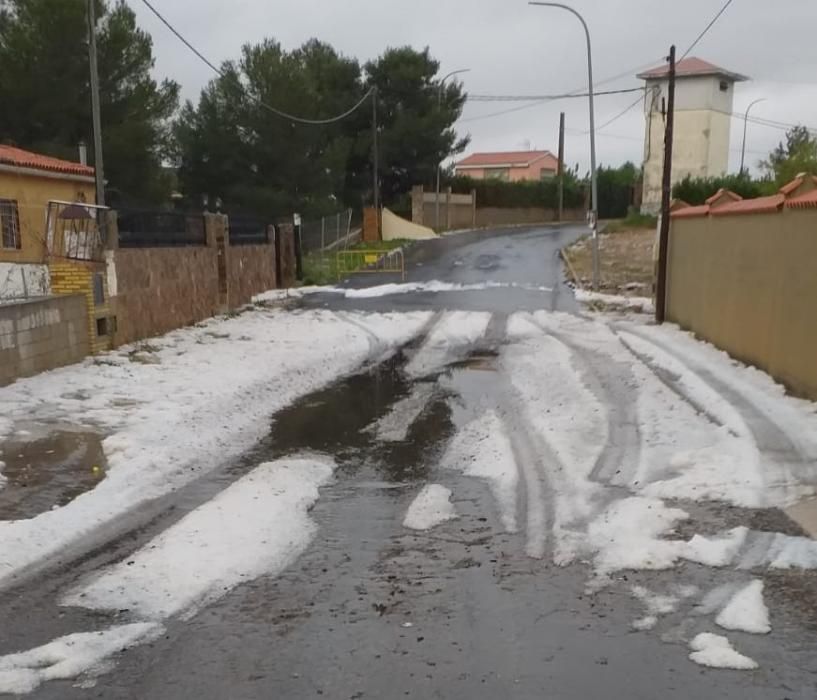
{"type": "Point", "coordinates": [724, 86]}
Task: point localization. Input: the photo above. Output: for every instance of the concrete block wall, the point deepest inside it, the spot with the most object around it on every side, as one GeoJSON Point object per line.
{"type": "Point", "coordinates": [41, 334]}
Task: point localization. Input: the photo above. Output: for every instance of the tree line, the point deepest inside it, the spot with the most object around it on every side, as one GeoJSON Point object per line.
{"type": "Point", "coordinates": [227, 146]}
{"type": "Point", "coordinates": [230, 147]}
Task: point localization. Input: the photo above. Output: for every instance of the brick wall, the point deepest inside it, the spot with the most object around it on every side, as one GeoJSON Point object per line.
{"type": "Point", "coordinates": [159, 289]}
{"type": "Point", "coordinates": [41, 334]}
{"type": "Point", "coordinates": [371, 225]}
{"type": "Point", "coordinates": [285, 238]}
{"type": "Point", "coordinates": [91, 281]}
{"type": "Point", "coordinates": [250, 271]}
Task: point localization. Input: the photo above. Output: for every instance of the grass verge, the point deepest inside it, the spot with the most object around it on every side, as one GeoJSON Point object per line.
{"type": "Point", "coordinates": [321, 268]}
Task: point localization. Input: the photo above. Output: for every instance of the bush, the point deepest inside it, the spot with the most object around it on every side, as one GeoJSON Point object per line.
{"type": "Point", "coordinates": [507, 195]}
{"type": "Point", "coordinates": [633, 220]}
{"type": "Point", "coordinates": [696, 191]}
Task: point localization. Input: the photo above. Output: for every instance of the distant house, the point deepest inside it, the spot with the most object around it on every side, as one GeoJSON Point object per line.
{"type": "Point", "coordinates": [27, 182]}
{"type": "Point", "coordinates": [509, 166]}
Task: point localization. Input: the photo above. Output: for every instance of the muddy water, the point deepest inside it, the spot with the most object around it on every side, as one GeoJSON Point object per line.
{"type": "Point", "coordinates": [50, 471]}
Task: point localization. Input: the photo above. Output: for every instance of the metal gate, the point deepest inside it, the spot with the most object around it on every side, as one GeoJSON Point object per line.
{"type": "Point", "coordinates": [371, 261]}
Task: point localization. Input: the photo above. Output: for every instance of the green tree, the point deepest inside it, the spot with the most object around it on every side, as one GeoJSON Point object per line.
{"type": "Point", "coordinates": [233, 147]}
{"type": "Point", "coordinates": [46, 96]}
{"type": "Point", "coordinates": [415, 133]}
{"type": "Point", "coordinates": [616, 188]}
{"type": "Point", "coordinates": [797, 155]}
{"type": "Point", "coordinates": [697, 190]}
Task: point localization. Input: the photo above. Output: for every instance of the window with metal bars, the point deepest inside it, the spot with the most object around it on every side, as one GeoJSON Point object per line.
{"type": "Point", "coordinates": [9, 224]}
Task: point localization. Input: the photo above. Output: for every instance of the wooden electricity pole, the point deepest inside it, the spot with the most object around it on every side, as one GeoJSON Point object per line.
{"type": "Point", "coordinates": [666, 194]}
{"type": "Point", "coordinates": [96, 117]}
{"type": "Point", "coordinates": [375, 156]}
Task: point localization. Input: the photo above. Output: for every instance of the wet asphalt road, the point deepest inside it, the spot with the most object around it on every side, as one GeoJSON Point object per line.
{"type": "Point", "coordinates": [372, 610]}
{"type": "Point", "coordinates": [528, 257]}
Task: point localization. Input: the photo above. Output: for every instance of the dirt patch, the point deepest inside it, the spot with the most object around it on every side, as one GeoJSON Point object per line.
{"type": "Point", "coordinates": [712, 518]}
{"type": "Point", "coordinates": [625, 262]}
{"type": "Point", "coordinates": [43, 473]}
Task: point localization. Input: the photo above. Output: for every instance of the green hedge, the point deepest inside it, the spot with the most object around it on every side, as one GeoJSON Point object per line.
{"type": "Point", "coordinates": [615, 194]}
{"type": "Point", "coordinates": [508, 195]}
{"type": "Point", "coordinates": [697, 190]}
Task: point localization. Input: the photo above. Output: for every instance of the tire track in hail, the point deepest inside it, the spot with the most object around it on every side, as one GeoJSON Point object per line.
{"type": "Point", "coordinates": [772, 440]}
{"type": "Point", "coordinates": [613, 384]}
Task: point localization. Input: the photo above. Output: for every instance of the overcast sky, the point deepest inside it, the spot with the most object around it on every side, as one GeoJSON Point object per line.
{"type": "Point", "coordinates": [511, 48]}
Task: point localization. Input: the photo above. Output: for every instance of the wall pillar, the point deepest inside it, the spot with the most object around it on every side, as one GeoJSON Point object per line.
{"type": "Point", "coordinates": [418, 205]}
{"type": "Point", "coordinates": [371, 225]}
{"type": "Point", "coordinates": [216, 233]}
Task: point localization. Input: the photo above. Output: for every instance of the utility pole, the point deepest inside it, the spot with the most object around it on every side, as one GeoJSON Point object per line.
{"type": "Point", "coordinates": [99, 171]}
{"type": "Point", "coordinates": [745, 124]}
{"type": "Point", "coordinates": [666, 192]}
{"type": "Point", "coordinates": [561, 167]}
{"type": "Point", "coordinates": [375, 155]}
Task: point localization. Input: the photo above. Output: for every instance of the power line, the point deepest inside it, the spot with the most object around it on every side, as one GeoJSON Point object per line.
{"type": "Point", "coordinates": [541, 98]}
{"type": "Point", "coordinates": [621, 113]}
{"type": "Point", "coordinates": [274, 110]}
{"type": "Point", "coordinates": [579, 91]}
{"type": "Point", "coordinates": [706, 29]}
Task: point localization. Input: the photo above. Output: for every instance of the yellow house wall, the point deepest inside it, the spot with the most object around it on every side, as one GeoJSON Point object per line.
{"type": "Point", "coordinates": [32, 194]}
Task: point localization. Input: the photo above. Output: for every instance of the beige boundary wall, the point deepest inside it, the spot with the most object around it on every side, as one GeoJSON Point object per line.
{"type": "Point", "coordinates": [748, 284]}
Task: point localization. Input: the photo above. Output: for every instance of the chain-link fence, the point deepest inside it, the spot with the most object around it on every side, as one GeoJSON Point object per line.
{"type": "Point", "coordinates": [322, 239]}
{"type": "Point", "coordinates": [328, 234]}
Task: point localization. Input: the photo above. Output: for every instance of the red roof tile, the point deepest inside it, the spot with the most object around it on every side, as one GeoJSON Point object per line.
{"type": "Point", "coordinates": [9, 155]}
{"type": "Point", "coordinates": [792, 186]}
{"type": "Point", "coordinates": [689, 212]}
{"type": "Point", "coordinates": [723, 194]}
{"type": "Point", "coordinates": [804, 201]}
{"type": "Point", "coordinates": [691, 67]}
{"type": "Point", "coordinates": [513, 159]}
{"type": "Point", "coordinates": [758, 205]}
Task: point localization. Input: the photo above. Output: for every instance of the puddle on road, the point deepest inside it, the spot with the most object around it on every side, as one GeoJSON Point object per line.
{"type": "Point", "coordinates": [335, 421]}
{"type": "Point", "coordinates": [48, 471]}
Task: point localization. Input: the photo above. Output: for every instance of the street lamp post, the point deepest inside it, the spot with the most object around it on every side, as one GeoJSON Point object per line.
{"type": "Point", "coordinates": [745, 121]}
{"type": "Point", "coordinates": [439, 164]}
{"type": "Point", "coordinates": [594, 190]}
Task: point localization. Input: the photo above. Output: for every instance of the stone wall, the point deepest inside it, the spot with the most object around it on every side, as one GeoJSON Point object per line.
{"type": "Point", "coordinates": [250, 271]}
{"type": "Point", "coordinates": [285, 239]}
{"type": "Point", "coordinates": [41, 334]}
{"type": "Point", "coordinates": [159, 289]}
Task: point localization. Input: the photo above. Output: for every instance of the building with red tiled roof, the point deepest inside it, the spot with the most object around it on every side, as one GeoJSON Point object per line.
{"type": "Point", "coordinates": [704, 96]}
{"type": "Point", "coordinates": [510, 166]}
{"type": "Point", "coordinates": [692, 67]}
{"type": "Point", "coordinates": [18, 158]}
{"type": "Point", "coordinates": [28, 181]}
